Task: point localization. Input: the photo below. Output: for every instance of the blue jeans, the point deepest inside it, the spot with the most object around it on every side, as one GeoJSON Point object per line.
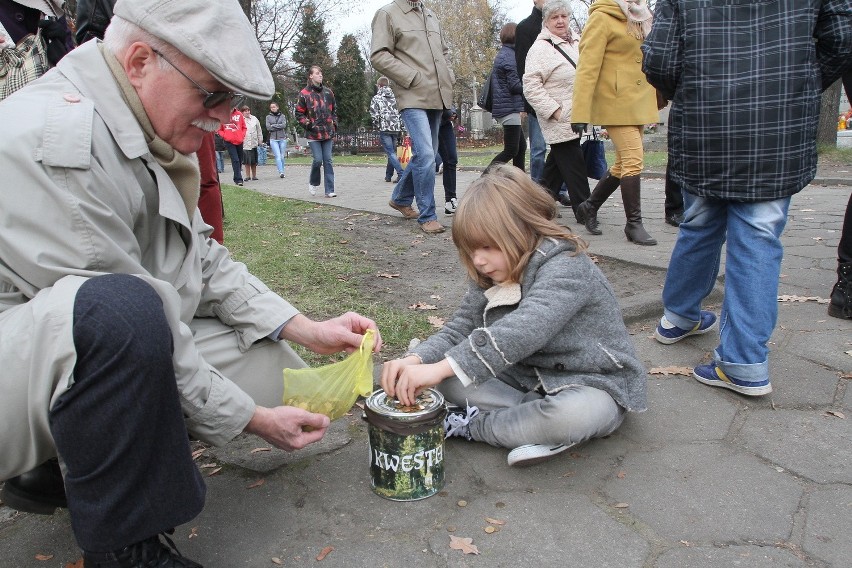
{"type": "Point", "coordinates": [321, 150]}
{"type": "Point", "coordinates": [418, 178]}
{"type": "Point", "coordinates": [388, 142]}
{"type": "Point", "coordinates": [279, 150]}
{"type": "Point", "coordinates": [448, 155]}
{"type": "Point", "coordinates": [236, 153]}
{"type": "Point", "coordinates": [511, 416]}
{"type": "Point", "coordinates": [538, 148]}
{"type": "Point", "coordinates": [752, 269]}
{"type": "Point", "coordinates": [220, 161]}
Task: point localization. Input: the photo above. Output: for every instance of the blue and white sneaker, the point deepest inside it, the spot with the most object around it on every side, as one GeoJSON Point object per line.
{"type": "Point", "coordinates": [669, 333]}
{"type": "Point", "coordinates": [715, 377]}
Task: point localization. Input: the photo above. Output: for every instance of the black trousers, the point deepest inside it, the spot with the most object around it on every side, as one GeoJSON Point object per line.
{"type": "Point", "coordinates": [565, 163]}
{"type": "Point", "coordinates": [674, 198]}
{"type": "Point", "coordinates": [119, 429]}
{"type": "Point", "coordinates": [514, 148]}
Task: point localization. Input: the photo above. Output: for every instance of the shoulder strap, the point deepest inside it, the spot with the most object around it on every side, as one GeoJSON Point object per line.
{"type": "Point", "coordinates": [565, 55]}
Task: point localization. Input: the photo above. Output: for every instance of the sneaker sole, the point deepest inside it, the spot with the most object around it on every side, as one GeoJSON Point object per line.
{"type": "Point", "coordinates": [531, 455]}
{"type": "Point", "coordinates": [669, 340]}
{"type": "Point", "coordinates": [748, 391]}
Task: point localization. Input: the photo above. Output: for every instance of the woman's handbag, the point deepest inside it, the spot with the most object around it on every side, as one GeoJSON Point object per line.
{"type": "Point", "coordinates": [594, 156]}
{"type": "Point", "coordinates": [23, 63]}
{"type": "Point", "coordinates": [486, 97]}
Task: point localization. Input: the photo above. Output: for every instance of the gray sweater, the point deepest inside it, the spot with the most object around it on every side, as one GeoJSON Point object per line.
{"type": "Point", "coordinates": [561, 326]}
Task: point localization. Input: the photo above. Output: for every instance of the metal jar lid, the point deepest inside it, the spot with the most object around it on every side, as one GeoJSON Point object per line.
{"type": "Point", "coordinates": [429, 404]}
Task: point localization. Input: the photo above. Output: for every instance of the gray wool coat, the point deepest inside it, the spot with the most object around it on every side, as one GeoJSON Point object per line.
{"type": "Point", "coordinates": [561, 326]}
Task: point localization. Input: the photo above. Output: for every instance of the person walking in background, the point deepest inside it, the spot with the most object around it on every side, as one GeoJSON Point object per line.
{"type": "Point", "coordinates": [611, 90]}
{"type": "Point", "coordinates": [408, 47]}
{"type": "Point", "coordinates": [254, 136]}
{"type": "Point", "coordinates": [525, 35]}
{"type": "Point", "coordinates": [386, 120]}
{"type": "Point", "coordinates": [449, 158]}
{"type": "Point", "coordinates": [742, 142]}
{"type": "Point", "coordinates": [233, 133]}
{"type": "Point", "coordinates": [316, 111]}
{"type": "Point", "coordinates": [535, 389]}
{"type": "Point", "coordinates": [219, 148]}
{"type": "Point", "coordinates": [508, 101]}
{"type": "Point", "coordinates": [840, 305]}
{"type": "Point", "coordinates": [548, 84]}
{"type": "Point", "coordinates": [276, 125]}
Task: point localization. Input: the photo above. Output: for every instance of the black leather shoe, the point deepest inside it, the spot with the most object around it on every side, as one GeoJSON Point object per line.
{"type": "Point", "coordinates": [675, 219]}
{"type": "Point", "coordinates": [149, 553]}
{"type": "Point", "coordinates": [40, 490]}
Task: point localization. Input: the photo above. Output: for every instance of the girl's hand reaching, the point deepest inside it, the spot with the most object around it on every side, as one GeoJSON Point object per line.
{"type": "Point", "coordinates": [403, 379]}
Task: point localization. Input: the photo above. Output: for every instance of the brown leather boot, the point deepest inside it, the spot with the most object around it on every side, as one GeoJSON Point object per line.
{"type": "Point", "coordinates": [588, 210]}
{"type": "Point", "coordinates": [631, 196]}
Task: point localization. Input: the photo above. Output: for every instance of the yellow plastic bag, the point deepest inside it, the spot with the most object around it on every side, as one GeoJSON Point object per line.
{"type": "Point", "coordinates": [332, 389]}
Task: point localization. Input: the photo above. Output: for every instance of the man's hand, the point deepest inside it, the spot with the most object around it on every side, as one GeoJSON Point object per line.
{"type": "Point", "coordinates": [579, 127]}
{"type": "Point", "coordinates": [343, 333]}
{"type": "Point", "coordinates": [287, 427]}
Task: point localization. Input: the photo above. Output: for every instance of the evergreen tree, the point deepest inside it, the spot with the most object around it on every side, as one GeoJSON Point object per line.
{"type": "Point", "coordinates": [349, 83]}
{"type": "Point", "coordinates": [311, 46]}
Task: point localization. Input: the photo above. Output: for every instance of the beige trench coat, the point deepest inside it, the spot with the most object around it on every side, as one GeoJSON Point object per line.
{"type": "Point", "coordinates": [409, 48]}
{"type": "Point", "coordinates": [81, 196]}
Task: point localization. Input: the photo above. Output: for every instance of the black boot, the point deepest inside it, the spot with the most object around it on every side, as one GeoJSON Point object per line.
{"type": "Point", "coordinates": [841, 294]}
{"type": "Point", "coordinates": [40, 490]}
{"type": "Point", "coordinates": [150, 552]}
{"type": "Point", "coordinates": [631, 196]}
{"type": "Point", "coordinates": [588, 210]}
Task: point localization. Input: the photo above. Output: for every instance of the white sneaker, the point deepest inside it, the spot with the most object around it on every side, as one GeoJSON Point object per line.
{"type": "Point", "coordinates": [451, 206]}
{"type": "Point", "coordinates": [332, 194]}
{"type": "Point", "coordinates": [313, 189]}
{"type": "Point", "coordinates": [531, 454]}
{"type": "Point", "coordinates": [457, 423]}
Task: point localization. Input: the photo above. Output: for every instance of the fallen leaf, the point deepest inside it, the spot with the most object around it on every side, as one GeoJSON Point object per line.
{"type": "Point", "coordinates": [621, 475]}
{"type": "Point", "coordinates": [836, 413]}
{"type": "Point", "coordinates": [324, 552]}
{"type": "Point", "coordinates": [78, 564]}
{"type": "Point", "coordinates": [257, 483]}
{"type": "Point", "coordinates": [422, 306]}
{"type": "Point", "coordinates": [343, 242]}
{"type": "Point", "coordinates": [491, 521]}
{"type": "Point", "coordinates": [386, 275]}
{"type": "Point", "coordinates": [197, 453]}
{"type": "Point", "coordinates": [435, 321]}
{"type": "Point", "coordinates": [214, 472]}
{"type": "Point", "coordinates": [276, 560]}
{"type": "Point", "coordinates": [435, 297]}
{"type": "Point", "coordinates": [254, 451]}
{"type": "Point", "coordinates": [294, 234]}
{"type": "Point", "coordinates": [193, 532]}
{"type": "Point", "coordinates": [43, 557]}
{"type": "Point", "coordinates": [684, 371]}
{"type": "Point", "coordinates": [207, 465]}
{"type": "Point", "coordinates": [464, 544]}
{"type": "Point", "coordinates": [793, 298]}
{"type": "Point", "coordinates": [846, 375]}
{"type": "Point", "coordinates": [621, 505]}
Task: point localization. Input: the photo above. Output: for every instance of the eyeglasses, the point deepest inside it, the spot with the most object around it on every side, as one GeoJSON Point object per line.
{"type": "Point", "coordinates": [211, 100]}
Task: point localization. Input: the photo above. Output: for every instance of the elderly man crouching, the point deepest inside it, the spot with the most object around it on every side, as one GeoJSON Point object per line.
{"type": "Point", "coordinates": [122, 324]}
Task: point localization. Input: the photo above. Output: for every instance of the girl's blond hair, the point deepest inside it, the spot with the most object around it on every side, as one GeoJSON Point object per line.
{"type": "Point", "coordinates": [507, 210]}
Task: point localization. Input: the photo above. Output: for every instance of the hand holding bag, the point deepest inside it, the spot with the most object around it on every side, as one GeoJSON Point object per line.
{"type": "Point", "coordinates": [594, 156]}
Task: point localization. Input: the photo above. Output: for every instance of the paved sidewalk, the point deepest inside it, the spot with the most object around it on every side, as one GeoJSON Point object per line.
{"type": "Point", "coordinates": [705, 478]}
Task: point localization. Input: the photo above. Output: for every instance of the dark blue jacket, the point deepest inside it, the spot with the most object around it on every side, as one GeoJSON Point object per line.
{"type": "Point", "coordinates": [506, 84]}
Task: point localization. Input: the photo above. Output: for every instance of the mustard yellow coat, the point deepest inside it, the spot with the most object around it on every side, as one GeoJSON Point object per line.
{"type": "Point", "coordinates": [610, 88]}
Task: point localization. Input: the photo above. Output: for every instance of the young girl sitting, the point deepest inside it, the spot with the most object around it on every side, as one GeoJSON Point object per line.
{"type": "Point", "coordinates": [537, 356]}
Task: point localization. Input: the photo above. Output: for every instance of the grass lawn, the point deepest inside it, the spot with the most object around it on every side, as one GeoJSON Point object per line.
{"type": "Point", "coordinates": [307, 264]}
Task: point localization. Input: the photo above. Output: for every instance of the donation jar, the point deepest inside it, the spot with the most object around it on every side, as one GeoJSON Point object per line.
{"type": "Point", "coordinates": [406, 445]}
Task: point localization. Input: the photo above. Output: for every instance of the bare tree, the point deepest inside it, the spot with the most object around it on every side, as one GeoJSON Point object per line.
{"type": "Point", "coordinates": [827, 130]}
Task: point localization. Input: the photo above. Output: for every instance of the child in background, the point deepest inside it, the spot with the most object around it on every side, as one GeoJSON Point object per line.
{"type": "Point", "coordinates": [537, 356]}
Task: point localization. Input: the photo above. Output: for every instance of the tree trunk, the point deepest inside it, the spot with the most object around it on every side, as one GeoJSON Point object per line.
{"type": "Point", "coordinates": [828, 112]}
{"type": "Point", "coordinates": [246, 6]}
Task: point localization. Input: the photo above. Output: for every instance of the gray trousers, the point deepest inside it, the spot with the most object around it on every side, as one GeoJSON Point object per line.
{"type": "Point", "coordinates": [511, 416]}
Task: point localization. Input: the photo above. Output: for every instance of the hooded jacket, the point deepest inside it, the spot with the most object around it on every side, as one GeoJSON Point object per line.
{"type": "Point", "coordinates": [234, 132]}
{"type": "Point", "coordinates": [383, 111]}
{"type": "Point", "coordinates": [316, 112]}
